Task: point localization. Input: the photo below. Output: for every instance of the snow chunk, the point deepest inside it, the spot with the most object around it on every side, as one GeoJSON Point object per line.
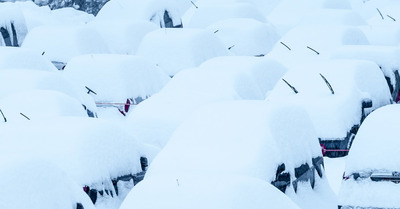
{"type": "Point", "coordinates": [176, 49]}
{"type": "Point", "coordinates": [219, 79]}
{"type": "Point", "coordinates": [12, 25]}
{"type": "Point", "coordinates": [36, 184]}
{"type": "Point", "coordinates": [206, 191]}
{"type": "Point", "coordinates": [116, 78]}
{"type": "Point", "coordinates": [61, 43]}
{"type": "Point", "coordinates": [245, 36]}
{"type": "Point", "coordinates": [13, 57]}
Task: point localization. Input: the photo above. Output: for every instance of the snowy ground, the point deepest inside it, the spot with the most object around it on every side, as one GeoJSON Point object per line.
{"type": "Point", "coordinates": [334, 168]}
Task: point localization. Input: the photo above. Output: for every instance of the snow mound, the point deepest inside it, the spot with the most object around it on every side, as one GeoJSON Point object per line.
{"type": "Point", "coordinates": [176, 49]}
{"type": "Point", "coordinates": [13, 57]}
{"type": "Point", "coordinates": [116, 78]}
{"type": "Point", "coordinates": [245, 36]}
{"type": "Point", "coordinates": [206, 191]}
{"type": "Point", "coordinates": [71, 16]}
{"type": "Point", "coordinates": [62, 43]}
{"type": "Point", "coordinates": [36, 184]}
{"type": "Point", "coordinates": [342, 17]}
{"type": "Point", "coordinates": [219, 79]}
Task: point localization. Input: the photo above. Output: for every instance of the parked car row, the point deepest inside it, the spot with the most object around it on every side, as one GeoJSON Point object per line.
{"type": "Point", "coordinates": [199, 104]}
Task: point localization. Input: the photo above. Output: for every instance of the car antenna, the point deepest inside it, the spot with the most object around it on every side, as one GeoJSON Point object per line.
{"type": "Point", "coordinates": [5, 119]}
{"type": "Point", "coordinates": [391, 18]}
{"type": "Point", "coordinates": [24, 116]}
{"type": "Point", "coordinates": [380, 13]}
{"type": "Point", "coordinates": [313, 50]}
{"type": "Point", "coordinates": [286, 46]}
{"type": "Point", "coordinates": [327, 83]}
{"type": "Point", "coordinates": [292, 87]}
{"type": "Point", "coordinates": [194, 4]}
{"type": "Point", "coordinates": [90, 90]}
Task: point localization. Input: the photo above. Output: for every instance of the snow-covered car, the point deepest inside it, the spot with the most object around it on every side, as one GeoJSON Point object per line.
{"type": "Point", "coordinates": [60, 43]}
{"type": "Point", "coordinates": [12, 25]}
{"type": "Point", "coordinates": [371, 178]}
{"type": "Point", "coordinates": [164, 14]}
{"type": "Point", "coordinates": [100, 156]}
{"type": "Point", "coordinates": [36, 184]}
{"type": "Point", "coordinates": [306, 43]}
{"type": "Point", "coordinates": [20, 58]}
{"type": "Point", "coordinates": [39, 105]}
{"type": "Point", "coordinates": [20, 80]}
{"type": "Point", "coordinates": [199, 191]}
{"type": "Point", "coordinates": [175, 49]}
{"type": "Point", "coordinates": [386, 57]}
{"type": "Point", "coordinates": [338, 95]}
{"type": "Point", "coordinates": [116, 80]}
{"type": "Point", "coordinates": [219, 79]}
{"type": "Point", "coordinates": [245, 36]}
{"type": "Point", "coordinates": [123, 37]}
{"type": "Point", "coordinates": [206, 12]}
{"type": "Point", "coordinates": [272, 142]}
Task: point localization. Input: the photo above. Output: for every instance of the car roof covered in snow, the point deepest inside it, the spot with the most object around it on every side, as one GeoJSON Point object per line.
{"type": "Point", "coordinates": [76, 40]}
{"type": "Point", "coordinates": [37, 184]}
{"type": "Point", "coordinates": [352, 81]}
{"type": "Point", "coordinates": [206, 191]}
{"type": "Point", "coordinates": [13, 57]}
{"type": "Point", "coordinates": [90, 150]}
{"type": "Point", "coordinates": [219, 79]}
{"type": "Point", "coordinates": [116, 78]}
{"type": "Point", "coordinates": [175, 49]}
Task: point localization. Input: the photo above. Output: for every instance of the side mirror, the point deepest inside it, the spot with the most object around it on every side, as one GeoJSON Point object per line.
{"type": "Point", "coordinates": [366, 103]}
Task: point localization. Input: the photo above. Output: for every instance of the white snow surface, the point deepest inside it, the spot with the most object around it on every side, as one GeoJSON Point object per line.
{"type": "Point", "coordinates": [246, 36]}
{"type": "Point", "coordinates": [38, 184]}
{"type": "Point", "coordinates": [219, 79]}
{"type": "Point", "coordinates": [352, 81]}
{"type": "Point", "coordinates": [62, 43]}
{"type": "Point", "coordinates": [90, 150]}
{"type": "Point", "coordinates": [10, 13]}
{"type": "Point", "coordinates": [199, 191]}
{"type": "Point", "coordinates": [175, 49]}
{"type": "Point", "coordinates": [16, 57]}
{"type": "Point", "coordinates": [115, 78]}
